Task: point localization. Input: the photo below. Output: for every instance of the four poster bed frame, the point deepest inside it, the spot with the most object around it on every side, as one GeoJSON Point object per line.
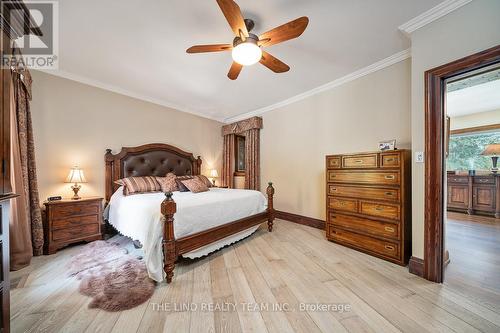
{"type": "Point", "coordinates": [157, 160]}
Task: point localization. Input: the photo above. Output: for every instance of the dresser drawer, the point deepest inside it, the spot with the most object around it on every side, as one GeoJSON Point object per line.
{"type": "Point", "coordinates": [79, 209]}
{"type": "Point", "coordinates": [72, 222]}
{"type": "Point", "coordinates": [390, 160]}
{"type": "Point", "coordinates": [375, 193]}
{"type": "Point", "coordinates": [484, 180]}
{"type": "Point", "coordinates": [348, 205]}
{"type": "Point", "coordinates": [458, 179]}
{"type": "Point", "coordinates": [70, 234]}
{"type": "Point", "coordinates": [359, 224]}
{"type": "Point", "coordinates": [384, 210]}
{"type": "Point", "coordinates": [364, 177]}
{"type": "Point", "coordinates": [333, 162]}
{"type": "Point", "coordinates": [360, 161]}
{"type": "Point", "coordinates": [363, 242]}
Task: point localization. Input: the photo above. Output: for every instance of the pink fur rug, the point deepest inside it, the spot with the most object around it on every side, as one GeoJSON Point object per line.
{"type": "Point", "coordinates": [114, 279]}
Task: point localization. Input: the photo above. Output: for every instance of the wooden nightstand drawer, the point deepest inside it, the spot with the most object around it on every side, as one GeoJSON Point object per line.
{"type": "Point", "coordinates": [69, 234]}
{"type": "Point", "coordinates": [75, 222]}
{"type": "Point", "coordinates": [68, 210]}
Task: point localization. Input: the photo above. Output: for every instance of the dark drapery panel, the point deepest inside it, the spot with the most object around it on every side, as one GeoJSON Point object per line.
{"type": "Point", "coordinates": [250, 128]}
{"type": "Point", "coordinates": [27, 218]}
{"type": "Point", "coordinates": [228, 161]}
{"type": "Point", "coordinates": [252, 159]}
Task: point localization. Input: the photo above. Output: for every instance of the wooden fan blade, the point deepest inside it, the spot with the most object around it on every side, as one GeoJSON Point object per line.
{"type": "Point", "coordinates": [273, 63]}
{"type": "Point", "coordinates": [209, 48]}
{"type": "Point", "coordinates": [234, 71]}
{"type": "Point", "coordinates": [287, 31]}
{"type": "Point", "coordinates": [232, 12]}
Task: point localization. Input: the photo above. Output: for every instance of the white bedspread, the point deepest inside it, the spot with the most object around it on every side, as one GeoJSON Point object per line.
{"type": "Point", "coordinates": [139, 217]}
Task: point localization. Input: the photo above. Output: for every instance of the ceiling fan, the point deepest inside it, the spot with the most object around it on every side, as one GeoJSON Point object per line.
{"type": "Point", "coordinates": [247, 47]}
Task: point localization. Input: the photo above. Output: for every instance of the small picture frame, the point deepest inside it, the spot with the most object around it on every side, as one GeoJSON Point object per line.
{"type": "Point", "coordinates": [387, 145]}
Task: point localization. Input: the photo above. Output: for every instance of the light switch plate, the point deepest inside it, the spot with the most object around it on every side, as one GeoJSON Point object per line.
{"type": "Point", "coordinates": [419, 157]}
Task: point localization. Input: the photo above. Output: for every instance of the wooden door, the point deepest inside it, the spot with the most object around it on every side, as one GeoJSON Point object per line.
{"type": "Point", "coordinates": [458, 196]}
{"type": "Point", "coordinates": [483, 198]}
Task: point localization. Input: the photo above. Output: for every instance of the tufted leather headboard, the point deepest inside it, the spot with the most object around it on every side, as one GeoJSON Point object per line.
{"type": "Point", "coordinates": [156, 159]}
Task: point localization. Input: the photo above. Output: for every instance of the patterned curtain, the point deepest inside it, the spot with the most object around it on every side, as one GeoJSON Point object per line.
{"type": "Point", "coordinates": [228, 161]}
{"type": "Point", "coordinates": [252, 159]}
{"type": "Point", "coordinates": [250, 128]}
{"type": "Point", "coordinates": [26, 229]}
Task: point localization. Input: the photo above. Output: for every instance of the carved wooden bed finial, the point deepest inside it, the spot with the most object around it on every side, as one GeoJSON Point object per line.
{"type": "Point", "coordinates": [270, 208]}
{"type": "Point", "coordinates": [168, 209]}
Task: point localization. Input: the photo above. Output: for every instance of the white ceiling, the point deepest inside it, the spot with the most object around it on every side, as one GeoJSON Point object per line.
{"type": "Point", "coordinates": [138, 48]}
{"type": "Point", "coordinates": [478, 98]}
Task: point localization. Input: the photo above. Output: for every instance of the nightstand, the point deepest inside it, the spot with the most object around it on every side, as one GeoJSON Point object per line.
{"type": "Point", "coordinates": [69, 221]}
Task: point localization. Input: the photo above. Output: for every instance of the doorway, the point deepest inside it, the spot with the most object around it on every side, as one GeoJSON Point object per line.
{"type": "Point", "coordinates": [436, 145]}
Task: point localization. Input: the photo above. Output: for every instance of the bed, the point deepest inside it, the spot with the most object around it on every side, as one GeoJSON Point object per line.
{"type": "Point", "coordinates": [170, 225]}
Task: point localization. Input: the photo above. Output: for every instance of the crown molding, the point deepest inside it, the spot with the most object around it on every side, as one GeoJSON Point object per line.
{"type": "Point", "coordinates": [124, 92]}
{"type": "Point", "coordinates": [431, 15]}
{"type": "Point", "coordinates": [393, 59]}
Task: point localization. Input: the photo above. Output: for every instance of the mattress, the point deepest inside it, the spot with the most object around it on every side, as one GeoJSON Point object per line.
{"type": "Point", "coordinates": [139, 217]}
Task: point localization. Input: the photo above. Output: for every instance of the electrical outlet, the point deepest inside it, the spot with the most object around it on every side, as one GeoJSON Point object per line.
{"type": "Point", "coordinates": [419, 157]}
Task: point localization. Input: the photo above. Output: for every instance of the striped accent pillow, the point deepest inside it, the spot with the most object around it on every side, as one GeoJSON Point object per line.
{"type": "Point", "coordinates": [181, 186]}
{"type": "Point", "coordinates": [168, 183]}
{"type": "Point", "coordinates": [195, 185]}
{"type": "Point", "coordinates": [205, 180]}
{"type": "Point", "coordinates": [136, 185]}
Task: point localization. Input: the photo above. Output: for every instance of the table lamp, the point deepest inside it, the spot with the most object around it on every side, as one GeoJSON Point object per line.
{"type": "Point", "coordinates": [76, 176]}
{"type": "Point", "coordinates": [492, 150]}
{"type": "Point", "coordinates": [213, 175]}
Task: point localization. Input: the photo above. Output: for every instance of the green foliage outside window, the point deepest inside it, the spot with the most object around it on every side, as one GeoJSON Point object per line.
{"type": "Point", "coordinates": [465, 151]}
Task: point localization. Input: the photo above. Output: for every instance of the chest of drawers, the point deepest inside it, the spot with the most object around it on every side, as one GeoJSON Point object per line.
{"type": "Point", "coordinates": [368, 203]}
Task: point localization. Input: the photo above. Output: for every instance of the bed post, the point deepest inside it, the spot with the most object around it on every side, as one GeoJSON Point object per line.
{"type": "Point", "coordinates": [168, 209]}
{"type": "Point", "coordinates": [270, 208]}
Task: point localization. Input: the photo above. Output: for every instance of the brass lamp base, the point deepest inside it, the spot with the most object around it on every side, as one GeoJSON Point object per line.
{"type": "Point", "coordinates": [75, 189]}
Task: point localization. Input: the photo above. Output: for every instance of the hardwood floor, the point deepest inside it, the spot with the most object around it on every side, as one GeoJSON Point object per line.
{"type": "Point", "coordinates": [474, 245]}
{"type": "Point", "coordinates": [292, 265]}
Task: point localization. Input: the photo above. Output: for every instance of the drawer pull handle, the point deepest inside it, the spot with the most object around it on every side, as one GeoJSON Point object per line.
{"type": "Point", "coordinates": [333, 176]}
{"type": "Point", "coordinates": [389, 247]}
{"type": "Point", "coordinates": [358, 161]}
{"type": "Point", "coordinates": [379, 208]}
{"type": "Point", "coordinates": [390, 177]}
{"type": "Point", "coordinates": [483, 180]}
{"type": "Point", "coordinates": [390, 229]}
{"type": "Point", "coordinates": [334, 189]}
{"type": "Point", "coordinates": [389, 193]}
{"type": "Point", "coordinates": [390, 160]}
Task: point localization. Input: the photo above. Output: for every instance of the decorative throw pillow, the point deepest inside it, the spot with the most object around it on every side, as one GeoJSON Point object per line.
{"type": "Point", "coordinates": [180, 185]}
{"type": "Point", "coordinates": [195, 185]}
{"type": "Point", "coordinates": [205, 180]}
{"type": "Point", "coordinates": [136, 185]}
{"type": "Point", "coordinates": [168, 183]}
{"type": "Point", "coordinates": [119, 182]}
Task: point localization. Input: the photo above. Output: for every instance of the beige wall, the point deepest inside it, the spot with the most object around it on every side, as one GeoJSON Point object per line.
{"type": "Point", "coordinates": [349, 118]}
{"type": "Point", "coordinates": [470, 29]}
{"type": "Point", "coordinates": [74, 124]}
{"type": "Point", "coordinates": [475, 119]}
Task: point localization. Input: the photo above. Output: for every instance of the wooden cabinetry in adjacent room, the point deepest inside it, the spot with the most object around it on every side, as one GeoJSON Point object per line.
{"type": "Point", "coordinates": [474, 194]}
{"type": "Point", "coordinates": [368, 203]}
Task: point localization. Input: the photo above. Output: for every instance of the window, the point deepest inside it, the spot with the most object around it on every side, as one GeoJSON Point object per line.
{"type": "Point", "coordinates": [465, 150]}
{"type": "Point", "coordinates": [240, 155]}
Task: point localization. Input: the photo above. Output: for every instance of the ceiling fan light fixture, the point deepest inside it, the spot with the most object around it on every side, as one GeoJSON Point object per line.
{"type": "Point", "coordinates": [247, 53]}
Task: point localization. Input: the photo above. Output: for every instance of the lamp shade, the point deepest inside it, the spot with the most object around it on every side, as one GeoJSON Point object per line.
{"type": "Point", "coordinates": [213, 173]}
{"type": "Point", "coordinates": [76, 176]}
{"type": "Point", "coordinates": [492, 150]}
